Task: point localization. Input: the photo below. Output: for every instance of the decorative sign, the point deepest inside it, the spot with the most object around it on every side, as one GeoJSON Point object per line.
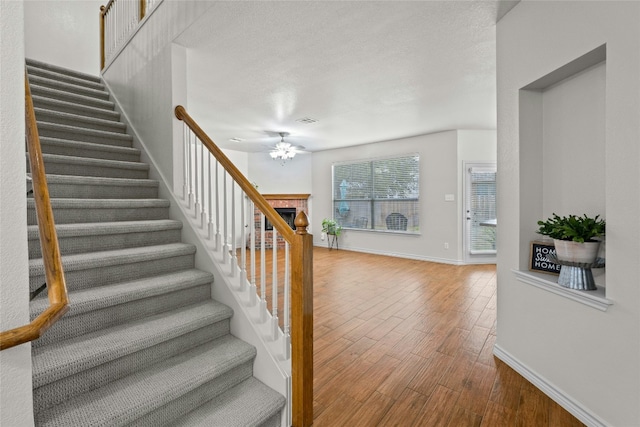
{"type": "Point", "coordinates": [538, 258]}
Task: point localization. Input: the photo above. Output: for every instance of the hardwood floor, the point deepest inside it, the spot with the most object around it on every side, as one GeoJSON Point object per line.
{"type": "Point", "coordinates": [400, 342]}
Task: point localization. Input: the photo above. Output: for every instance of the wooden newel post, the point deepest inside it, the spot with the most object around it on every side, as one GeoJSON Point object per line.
{"type": "Point", "coordinates": [302, 323]}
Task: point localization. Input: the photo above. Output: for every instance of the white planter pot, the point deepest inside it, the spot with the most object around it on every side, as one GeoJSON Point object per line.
{"type": "Point", "coordinates": [575, 251]}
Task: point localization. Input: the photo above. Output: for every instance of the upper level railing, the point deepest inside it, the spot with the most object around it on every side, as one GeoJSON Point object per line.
{"type": "Point", "coordinates": [118, 20]}
{"type": "Point", "coordinates": [57, 288]}
{"type": "Point", "coordinates": [232, 214]}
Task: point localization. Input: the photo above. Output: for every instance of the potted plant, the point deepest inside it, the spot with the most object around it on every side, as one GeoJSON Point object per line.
{"type": "Point", "coordinates": [575, 237]}
{"type": "Point", "coordinates": [330, 226]}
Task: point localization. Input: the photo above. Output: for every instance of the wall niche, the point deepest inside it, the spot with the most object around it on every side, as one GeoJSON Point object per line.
{"type": "Point", "coordinates": [562, 152]}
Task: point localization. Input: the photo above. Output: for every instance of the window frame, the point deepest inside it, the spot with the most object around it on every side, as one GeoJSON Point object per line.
{"type": "Point", "coordinates": [415, 230]}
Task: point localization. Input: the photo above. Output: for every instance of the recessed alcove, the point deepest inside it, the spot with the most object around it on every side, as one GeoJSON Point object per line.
{"type": "Point", "coordinates": [562, 155]}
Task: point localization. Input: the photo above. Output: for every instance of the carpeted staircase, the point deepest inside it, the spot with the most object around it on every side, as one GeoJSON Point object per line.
{"type": "Point", "coordinates": [143, 342]}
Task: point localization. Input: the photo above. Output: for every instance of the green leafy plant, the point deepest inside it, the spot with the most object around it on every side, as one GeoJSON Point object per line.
{"type": "Point", "coordinates": [330, 226]}
{"type": "Point", "coordinates": [575, 228]}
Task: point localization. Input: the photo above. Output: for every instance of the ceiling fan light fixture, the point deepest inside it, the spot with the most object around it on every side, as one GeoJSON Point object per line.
{"type": "Point", "coordinates": [283, 150]}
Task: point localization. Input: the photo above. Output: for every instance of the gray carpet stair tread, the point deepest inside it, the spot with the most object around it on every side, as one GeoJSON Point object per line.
{"type": "Point", "coordinates": [117, 257]}
{"type": "Point", "coordinates": [96, 180]}
{"type": "Point", "coordinates": [248, 404]}
{"type": "Point", "coordinates": [62, 70]}
{"type": "Point", "coordinates": [63, 203]}
{"type": "Point", "coordinates": [86, 300]}
{"type": "Point", "coordinates": [52, 116]}
{"type": "Point", "coordinates": [48, 92]}
{"type": "Point", "coordinates": [113, 136]}
{"type": "Point", "coordinates": [46, 141]}
{"type": "Point", "coordinates": [88, 161]}
{"type": "Point", "coordinates": [105, 228]}
{"type": "Point", "coordinates": [65, 358]}
{"type": "Point", "coordinates": [69, 211]}
{"type": "Point", "coordinates": [75, 237]}
{"type": "Point", "coordinates": [69, 87]}
{"type": "Point", "coordinates": [121, 402]}
{"type": "Point", "coordinates": [67, 78]}
{"type": "Point", "coordinates": [74, 108]}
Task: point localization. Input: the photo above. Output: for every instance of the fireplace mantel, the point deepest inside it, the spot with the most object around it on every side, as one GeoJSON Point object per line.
{"type": "Point", "coordinates": [286, 196]}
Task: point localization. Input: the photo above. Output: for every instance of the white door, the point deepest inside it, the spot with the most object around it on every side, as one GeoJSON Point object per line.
{"type": "Point", "coordinates": [480, 213]}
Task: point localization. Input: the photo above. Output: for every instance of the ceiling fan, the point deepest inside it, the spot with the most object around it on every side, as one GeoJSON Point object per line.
{"type": "Point", "coordinates": [283, 150]}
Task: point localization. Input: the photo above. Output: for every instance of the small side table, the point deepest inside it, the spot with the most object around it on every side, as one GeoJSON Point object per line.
{"type": "Point", "coordinates": [331, 240]}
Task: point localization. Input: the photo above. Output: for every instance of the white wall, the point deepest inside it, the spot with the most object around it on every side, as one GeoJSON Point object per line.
{"type": "Point", "coordinates": [16, 405]}
{"type": "Point", "coordinates": [274, 178]}
{"type": "Point", "coordinates": [587, 357]}
{"type": "Point", "coordinates": [64, 33]}
{"type": "Point", "coordinates": [573, 152]}
{"type": "Point", "coordinates": [143, 84]}
{"type": "Point", "coordinates": [440, 166]}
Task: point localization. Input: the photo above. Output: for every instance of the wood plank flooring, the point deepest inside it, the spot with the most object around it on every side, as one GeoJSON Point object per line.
{"type": "Point", "coordinates": [400, 342]}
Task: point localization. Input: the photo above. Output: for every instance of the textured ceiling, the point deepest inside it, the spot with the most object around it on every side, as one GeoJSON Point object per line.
{"type": "Point", "coordinates": [366, 70]}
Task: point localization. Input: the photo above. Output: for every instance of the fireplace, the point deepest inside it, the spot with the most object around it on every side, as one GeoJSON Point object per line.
{"type": "Point", "coordinates": [288, 206]}
{"type": "Point", "coordinates": [288, 214]}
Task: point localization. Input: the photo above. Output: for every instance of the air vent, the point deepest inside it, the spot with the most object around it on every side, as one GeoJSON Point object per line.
{"type": "Point", "coordinates": [236, 139]}
{"type": "Point", "coordinates": [306, 120]}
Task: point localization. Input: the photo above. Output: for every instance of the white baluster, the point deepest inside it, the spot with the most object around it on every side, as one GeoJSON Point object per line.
{"type": "Point", "coordinates": [243, 245]}
{"type": "Point", "coordinates": [203, 215]}
{"type": "Point", "coordinates": [232, 250]}
{"type": "Point", "coordinates": [218, 238]}
{"type": "Point", "coordinates": [225, 236]}
{"type": "Point", "coordinates": [210, 197]}
{"type": "Point", "coordinates": [115, 22]}
{"type": "Point", "coordinates": [263, 269]}
{"type": "Point", "coordinates": [253, 293]}
{"type": "Point", "coordinates": [274, 286]}
{"type": "Point", "coordinates": [197, 178]}
{"type": "Point", "coordinates": [190, 173]}
{"type": "Point", "coordinates": [287, 301]}
{"type": "Point", "coordinates": [110, 27]}
{"type": "Point", "coordinates": [185, 155]}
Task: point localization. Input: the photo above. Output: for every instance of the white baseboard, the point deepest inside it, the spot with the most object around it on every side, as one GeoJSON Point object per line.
{"type": "Point", "coordinates": [398, 255]}
{"type": "Point", "coordinates": [559, 396]}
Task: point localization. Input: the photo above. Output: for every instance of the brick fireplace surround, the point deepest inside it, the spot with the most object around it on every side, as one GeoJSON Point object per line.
{"type": "Point", "coordinates": [298, 201]}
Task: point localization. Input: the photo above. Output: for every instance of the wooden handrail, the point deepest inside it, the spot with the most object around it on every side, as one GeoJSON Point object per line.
{"type": "Point", "coordinates": [301, 280]}
{"type": "Point", "coordinates": [280, 224]}
{"type": "Point", "coordinates": [54, 274]}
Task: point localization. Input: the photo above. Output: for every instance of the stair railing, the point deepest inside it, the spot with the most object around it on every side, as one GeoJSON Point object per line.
{"type": "Point", "coordinates": [54, 274]}
{"type": "Point", "coordinates": [211, 182]}
{"type": "Point", "coordinates": [118, 21]}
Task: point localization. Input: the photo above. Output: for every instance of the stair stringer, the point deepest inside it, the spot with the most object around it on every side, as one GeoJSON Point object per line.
{"type": "Point", "coordinates": [270, 366]}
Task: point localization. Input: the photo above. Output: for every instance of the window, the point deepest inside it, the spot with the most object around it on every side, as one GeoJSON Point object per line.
{"type": "Point", "coordinates": [482, 210]}
{"type": "Point", "coordinates": [380, 194]}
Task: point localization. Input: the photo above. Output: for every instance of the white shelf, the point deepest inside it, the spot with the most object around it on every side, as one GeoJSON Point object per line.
{"type": "Point", "coordinates": [595, 299]}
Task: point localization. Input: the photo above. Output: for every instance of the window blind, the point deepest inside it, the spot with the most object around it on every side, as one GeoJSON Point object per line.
{"type": "Point", "coordinates": [379, 194]}
{"type": "Point", "coordinates": [482, 208]}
